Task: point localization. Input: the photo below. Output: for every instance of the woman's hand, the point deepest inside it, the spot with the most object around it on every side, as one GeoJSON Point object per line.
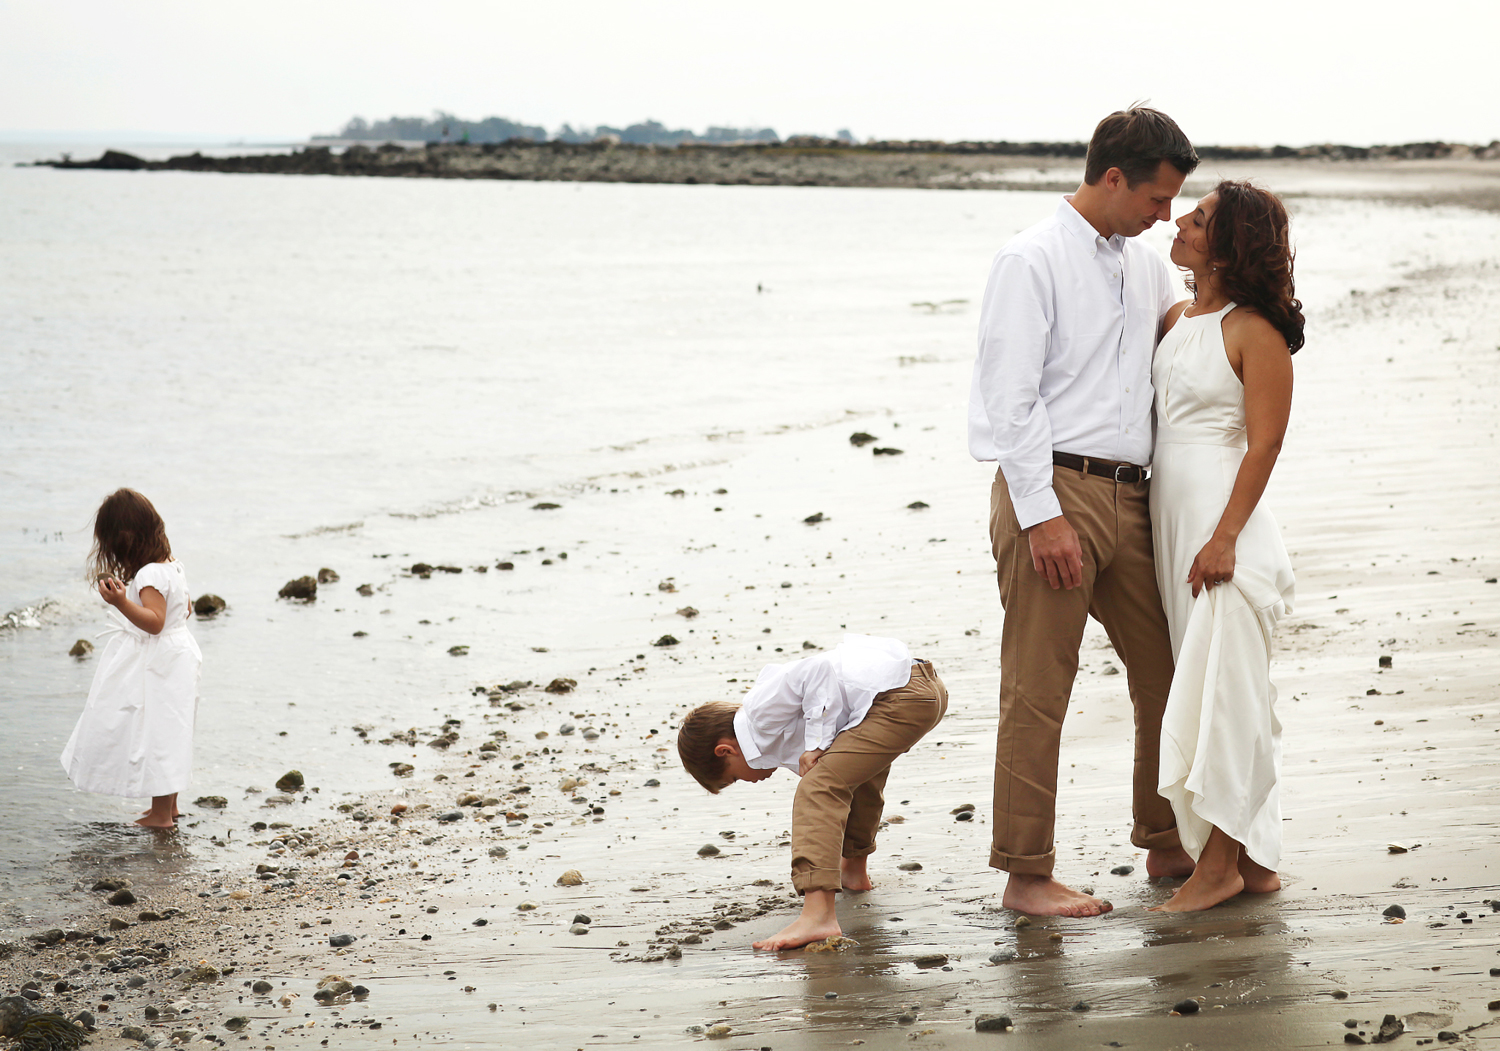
{"type": "Point", "coordinates": [809, 760]}
{"type": "Point", "coordinates": [1213, 565]}
{"type": "Point", "coordinates": [112, 591]}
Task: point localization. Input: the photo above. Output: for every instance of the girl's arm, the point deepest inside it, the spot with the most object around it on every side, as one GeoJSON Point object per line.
{"type": "Point", "coordinates": [1261, 360]}
{"type": "Point", "coordinates": [150, 615]}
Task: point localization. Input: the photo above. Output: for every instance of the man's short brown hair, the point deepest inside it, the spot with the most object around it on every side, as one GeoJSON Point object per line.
{"type": "Point", "coordinates": [1137, 140]}
{"type": "Point", "coordinates": [702, 730]}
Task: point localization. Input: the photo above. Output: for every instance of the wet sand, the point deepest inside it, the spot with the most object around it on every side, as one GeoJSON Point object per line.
{"type": "Point", "coordinates": [1385, 498]}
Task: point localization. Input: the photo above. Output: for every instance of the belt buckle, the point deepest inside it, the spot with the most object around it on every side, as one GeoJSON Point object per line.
{"type": "Point", "coordinates": [1125, 467]}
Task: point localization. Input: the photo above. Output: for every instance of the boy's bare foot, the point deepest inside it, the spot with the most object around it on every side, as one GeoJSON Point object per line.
{"type": "Point", "coordinates": [1203, 891]}
{"type": "Point", "coordinates": [1258, 879]}
{"type": "Point", "coordinates": [854, 876]}
{"type": "Point", "coordinates": [1044, 896]}
{"type": "Point", "coordinates": [818, 921]}
{"type": "Point", "coordinates": [1173, 863]}
{"type": "Point", "coordinates": [802, 931]}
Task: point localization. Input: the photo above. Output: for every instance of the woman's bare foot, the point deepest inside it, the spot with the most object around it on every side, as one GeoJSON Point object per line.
{"type": "Point", "coordinates": [155, 821]}
{"type": "Point", "coordinates": [853, 875]}
{"type": "Point", "coordinates": [817, 922]}
{"type": "Point", "coordinates": [1258, 879]}
{"type": "Point", "coordinates": [1174, 863]}
{"type": "Point", "coordinates": [1203, 891]}
{"type": "Point", "coordinates": [1044, 896]}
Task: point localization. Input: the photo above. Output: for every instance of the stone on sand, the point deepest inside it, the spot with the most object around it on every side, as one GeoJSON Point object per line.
{"type": "Point", "coordinates": [81, 648]}
{"type": "Point", "coordinates": [291, 781]}
{"type": "Point", "coordinates": [992, 1023]}
{"type": "Point", "coordinates": [570, 878]}
{"type": "Point", "coordinates": [303, 589]}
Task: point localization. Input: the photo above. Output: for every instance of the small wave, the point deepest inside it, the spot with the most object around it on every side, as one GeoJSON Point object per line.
{"type": "Point", "coordinates": [37, 615]}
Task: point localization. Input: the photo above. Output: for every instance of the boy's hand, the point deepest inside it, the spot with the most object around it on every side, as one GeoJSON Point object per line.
{"type": "Point", "coordinates": [809, 760]}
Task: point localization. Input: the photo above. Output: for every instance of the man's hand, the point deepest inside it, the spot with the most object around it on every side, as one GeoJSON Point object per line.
{"type": "Point", "coordinates": [808, 760]}
{"type": "Point", "coordinates": [1056, 553]}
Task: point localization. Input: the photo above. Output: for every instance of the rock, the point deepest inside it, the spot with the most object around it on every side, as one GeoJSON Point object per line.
{"type": "Point", "coordinates": [452, 815]}
{"type": "Point", "coordinates": [238, 1022]}
{"type": "Point", "coordinates": [211, 802]}
{"type": "Point", "coordinates": [545, 506]}
{"type": "Point", "coordinates": [121, 897]}
{"type": "Point", "coordinates": [327, 576]}
{"type": "Point", "coordinates": [918, 505]}
{"type": "Point", "coordinates": [505, 565]}
{"type": "Point", "coordinates": [1186, 1007]}
{"type": "Point", "coordinates": [421, 569]}
{"type": "Point", "coordinates": [526, 906]}
{"type": "Point", "coordinates": [303, 589]}
{"type": "Point", "coordinates": [14, 1010]}
{"type": "Point", "coordinates": [910, 866]}
{"type": "Point", "coordinates": [110, 884]}
{"type": "Point", "coordinates": [567, 730]}
{"type": "Point", "coordinates": [666, 640]}
{"type": "Point", "coordinates": [708, 850]}
{"type": "Point", "coordinates": [150, 916]}
{"type": "Point", "coordinates": [338, 941]}
{"type": "Point", "coordinates": [1494, 1005]}
{"type": "Point", "coordinates": [1340, 994]}
{"type": "Point", "coordinates": [717, 1032]}
{"type": "Point", "coordinates": [1022, 922]}
{"type": "Point", "coordinates": [402, 769]}
{"type": "Point", "coordinates": [1396, 848]}
{"type": "Point", "coordinates": [262, 987]}
{"type": "Point", "coordinates": [962, 808]}
{"type": "Point", "coordinates": [498, 852]}
{"type": "Point", "coordinates": [1353, 1038]}
{"type": "Point", "coordinates": [458, 651]}
{"type": "Point", "coordinates": [133, 1032]}
{"type": "Point", "coordinates": [1122, 870]}
{"type": "Point", "coordinates": [905, 1018]}
{"type": "Point", "coordinates": [578, 928]}
{"type": "Point", "coordinates": [1385, 661]}
{"type": "Point", "coordinates": [1447, 1036]}
{"type": "Point", "coordinates": [335, 986]}
{"type": "Point", "coordinates": [570, 878]}
{"type": "Point", "coordinates": [1390, 1028]}
{"type": "Point", "coordinates": [81, 648]}
{"type": "Point", "coordinates": [837, 943]}
{"type": "Point", "coordinates": [860, 438]}
{"type": "Point", "coordinates": [1002, 956]}
{"type": "Point", "coordinates": [1394, 912]}
{"type": "Point", "coordinates": [291, 781]}
{"type": "Point", "coordinates": [688, 612]}
{"type": "Point", "coordinates": [814, 519]}
{"type": "Point", "coordinates": [365, 590]}
{"type": "Point", "coordinates": [887, 451]}
{"type": "Point", "coordinates": [202, 971]}
{"type": "Point", "coordinates": [85, 1019]}
{"type": "Point", "coordinates": [931, 959]}
{"type": "Point", "coordinates": [992, 1023]}
{"type": "Point", "coordinates": [561, 686]}
{"type": "Point", "coordinates": [1081, 1006]}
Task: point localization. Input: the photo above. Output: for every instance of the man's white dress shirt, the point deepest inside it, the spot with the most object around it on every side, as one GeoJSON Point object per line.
{"type": "Point", "coordinates": [1066, 334]}
{"type": "Point", "coordinates": [801, 706]}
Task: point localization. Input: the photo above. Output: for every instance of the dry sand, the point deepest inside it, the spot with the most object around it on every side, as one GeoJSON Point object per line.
{"type": "Point", "coordinates": [1388, 497]}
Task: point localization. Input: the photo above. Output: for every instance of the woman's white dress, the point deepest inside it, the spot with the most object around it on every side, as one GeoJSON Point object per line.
{"type": "Point", "coordinates": [135, 737]}
{"type": "Point", "coordinates": [1221, 740]}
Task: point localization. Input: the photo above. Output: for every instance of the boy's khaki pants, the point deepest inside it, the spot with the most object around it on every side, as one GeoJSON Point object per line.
{"type": "Point", "coordinates": [837, 809]}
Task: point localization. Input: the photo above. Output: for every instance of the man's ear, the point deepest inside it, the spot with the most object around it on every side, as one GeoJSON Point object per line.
{"type": "Point", "coordinates": [1113, 179]}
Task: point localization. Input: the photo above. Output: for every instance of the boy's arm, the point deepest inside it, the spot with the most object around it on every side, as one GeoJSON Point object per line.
{"type": "Point", "coordinates": [808, 760]}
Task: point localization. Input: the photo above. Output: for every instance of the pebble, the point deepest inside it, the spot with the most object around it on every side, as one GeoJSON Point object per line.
{"type": "Point", "coordinates": [708, 850]}
{"type": "Point", "coordinates": [81, 648]}
{"type": "Point", "coordinates": [338, 941]}
{"type": "Point", "coordinates": [291, 781]}
{"type": "Point", "coordinates": [452, 815]}
{"type": "Point", "coordinates": [1021, 922]}
{"type": "Point", "coordinates": [135, 981]}
{"type": "Point", "coordinates": [992, 1023]}
{"type": "Point", "coordinates": [1003, 956]}
{"type": "Point", "coordinates": [1186, 1007]}
{"type": "Point", "coordinates": [121, 897]}
{"type": "Point", "coordinates": [1122, 870]}
{"type": "Point", "coordinates": [830, 996]}
{"type": "Point", "coordinates": [236, 1023]}
{"type": "Point", "coordinates": [578, 928]}
{"type": "Point", "coordinates": [581, 918]}
{"type": "Point", "coordinates": [262, 987]}
{"type": "Point", "coordinates": [1394, 912]}
{"type": "Point", "coordinates": [498, 852]}
{"type": "Point", "coordinates": [667, 640]}
{"type": "Point", "coordinates": [717, 1032]}
{"type": "Point", "coordinates": [910, 866]}
{"type": "Point", "coordinates": [932, 959]}
{"type": "Point", "coordinates": [526, 906]}
{"type": "Point", "coordinates": [132, 1032]}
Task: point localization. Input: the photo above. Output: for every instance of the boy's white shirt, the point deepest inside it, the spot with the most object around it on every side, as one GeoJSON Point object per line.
{"type": "Point", "coordinates": [801, 706]}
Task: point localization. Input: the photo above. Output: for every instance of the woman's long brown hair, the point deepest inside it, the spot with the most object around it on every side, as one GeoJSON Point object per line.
{"type": "Point", "coordinates": [128, 534]}
{"type": "Point", "coordinates": [1249, 240]}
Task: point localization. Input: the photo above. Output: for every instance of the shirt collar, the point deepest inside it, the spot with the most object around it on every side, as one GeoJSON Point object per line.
{"type": "Point", "coordinates": [1074, 222]}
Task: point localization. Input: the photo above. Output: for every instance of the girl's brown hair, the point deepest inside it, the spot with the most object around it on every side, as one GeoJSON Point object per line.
{"type": "Point", "coordinates": [702, 729]}
{"type": "Point", "coordinates": [128, 534]}
{"type": "Point", "coordinates": [1249, 240]}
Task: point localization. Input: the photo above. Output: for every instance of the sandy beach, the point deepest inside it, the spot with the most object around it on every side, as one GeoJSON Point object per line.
{"type": "Point", "coordinates": [455, 885]}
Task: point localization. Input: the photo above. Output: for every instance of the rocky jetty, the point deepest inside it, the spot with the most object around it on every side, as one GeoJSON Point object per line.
{"type": "Point", "coordinates": [799, 161]}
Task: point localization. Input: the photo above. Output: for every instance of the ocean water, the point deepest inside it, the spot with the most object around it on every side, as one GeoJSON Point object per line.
{"type": "Point", "coordinates": [307, 372]}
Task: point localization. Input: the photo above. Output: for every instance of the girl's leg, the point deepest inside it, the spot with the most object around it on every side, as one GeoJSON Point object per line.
{"type": "Point", "coordinates": [1215, 879]}
{"type": "Point", "coordinates": [161, 813]}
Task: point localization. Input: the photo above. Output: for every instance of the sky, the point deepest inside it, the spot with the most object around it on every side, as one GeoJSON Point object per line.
{"type": "Point", "coordinates": [1260, 72]}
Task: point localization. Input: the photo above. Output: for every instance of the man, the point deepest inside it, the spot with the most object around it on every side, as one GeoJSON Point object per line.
{"type": "Point", "coordinates": [1062, 400]}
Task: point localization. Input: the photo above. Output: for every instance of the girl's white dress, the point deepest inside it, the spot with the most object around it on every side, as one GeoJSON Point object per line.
{"type": "Point", "coordinates": [135, 737]}
{"type": "Point", "coordinates": [1220, 740]}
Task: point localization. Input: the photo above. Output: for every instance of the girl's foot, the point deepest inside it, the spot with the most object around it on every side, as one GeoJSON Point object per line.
{"type": "Point", "coordinates": [153, 821]}
{"type": "Point", "coordinates": [853, 875]}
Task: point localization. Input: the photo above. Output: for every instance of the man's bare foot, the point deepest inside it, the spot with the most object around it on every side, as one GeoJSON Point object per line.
{"type": "Point", "coordinates": [853, 875]}
{"type": "Point", "coordinates": [1044, 896]}
{"type": "Point", "coordinates": [1203, 891]}
{"type": "Point", "coordinates": [802, 931]}
{"type": "Point", "coordinates": [1258, 879]}
{"type": "Point", "coordinates": [1172, 863]}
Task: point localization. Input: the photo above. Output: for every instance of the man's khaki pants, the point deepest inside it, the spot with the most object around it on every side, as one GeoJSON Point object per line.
{"type": "Point", "coordinates": [837, 809]}
{"type": "Point", "coordinates": [1039, 660]}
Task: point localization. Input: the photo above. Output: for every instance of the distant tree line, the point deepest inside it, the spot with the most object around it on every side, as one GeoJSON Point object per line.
{"type": "Point", "coordinates": [445, 127]}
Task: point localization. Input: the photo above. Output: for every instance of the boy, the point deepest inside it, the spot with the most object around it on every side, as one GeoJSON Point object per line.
{"type": "Point", "coordinates": [838, 720]}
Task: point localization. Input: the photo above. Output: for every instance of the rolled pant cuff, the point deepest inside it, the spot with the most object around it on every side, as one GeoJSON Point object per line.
{"type": "Point", "coordinates": [817, 879]}
{"type": "Point", "coordinates": [1143, 837]}
{"type": "Point", "coordinates": [1026, 864]}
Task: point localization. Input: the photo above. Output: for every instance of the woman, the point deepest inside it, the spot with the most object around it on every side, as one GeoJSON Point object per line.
{"type": "Point", "coordinates": [1223, 378]}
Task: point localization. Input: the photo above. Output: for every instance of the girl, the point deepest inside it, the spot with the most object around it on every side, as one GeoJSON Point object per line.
{"type": "Point", "coordinates": [135, 737]}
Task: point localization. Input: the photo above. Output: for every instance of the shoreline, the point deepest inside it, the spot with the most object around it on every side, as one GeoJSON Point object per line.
{"type": "Point", "coordinates": [1394, 546]}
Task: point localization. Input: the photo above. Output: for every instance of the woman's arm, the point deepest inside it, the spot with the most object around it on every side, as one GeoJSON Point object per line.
{"type": "Point", "coordinates": [1260, 358]}
{"type": "Point", "coordinates": [150, 616]}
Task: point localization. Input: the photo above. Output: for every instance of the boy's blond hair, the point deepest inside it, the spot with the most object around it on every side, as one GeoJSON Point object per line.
{"type": "Point", "coordinates": [702, 730]}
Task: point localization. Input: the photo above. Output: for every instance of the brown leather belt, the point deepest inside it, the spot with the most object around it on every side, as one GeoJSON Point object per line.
{"type": "Point", "coordinates": [1120, 472]}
